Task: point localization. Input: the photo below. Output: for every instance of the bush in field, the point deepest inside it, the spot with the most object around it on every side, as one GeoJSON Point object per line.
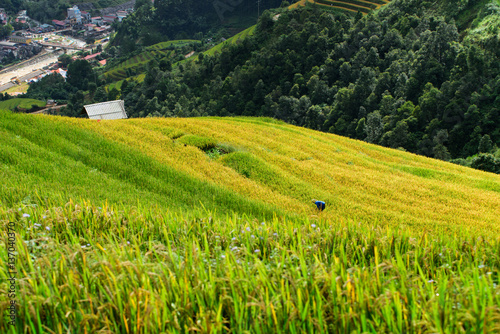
{"type": "Point", "coordinates": [202, 143]}
{"type": "Point", "coordinates": [486, 162]}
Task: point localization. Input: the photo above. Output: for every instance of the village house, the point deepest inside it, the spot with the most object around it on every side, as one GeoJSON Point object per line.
{"type": "Point", "coordinates": [3, 17]}
{"type": "Point", "coordinates": [59, 24]}
{"type": "Point", "coordinates": [110, 18]}
{"type": "Point", "coordinates": [45, 28]}
{"type": "Point", "coordinates": [90, 26]}
{"type": "Point", "coordinates": [97, 20]}
{"type": "Point", "coordinates": [20, 39]}
{"type": "Point", "coordinates": [86, 18]}
{"type": "Point", "coordinates": [22, 17]}
{"type": "Point", "coordinates": [121, 14]}
{"type": "Point", "coordinates": [74, 15]}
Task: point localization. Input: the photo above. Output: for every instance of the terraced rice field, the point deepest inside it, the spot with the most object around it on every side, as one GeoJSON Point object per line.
{"type": "Point", "coordinates": [363, 6]}
{"type": "Point", "coordinates": [137, 64]}
{"type": "Point", "coordinates": [118, 84]}
{"type": "Point", "coordinates": [233, 40]}
{"type": "Point", "coordinates": [206, 225]}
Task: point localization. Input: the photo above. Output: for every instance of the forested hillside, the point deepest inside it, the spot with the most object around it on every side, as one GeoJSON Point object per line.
{"type": "Point", "coordinates": [403, 77]}
{"type": "Point", "coordinates": [182, 19]}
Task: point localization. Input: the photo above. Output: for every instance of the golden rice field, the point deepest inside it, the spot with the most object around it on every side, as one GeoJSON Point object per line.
{"type": "Point", "coordinates": [206, 225]}
{"type": "Point", "coordinates": [289, 166]}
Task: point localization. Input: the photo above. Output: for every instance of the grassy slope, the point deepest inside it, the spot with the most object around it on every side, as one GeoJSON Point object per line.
{"type": "Point", "coordinates": [137, 63]}
{"type": "Point", "coordinates": [11, 104]}
{"type": "Point", "coordinates": [278, 166]}
{"type": "Point", "coordinates": [233, 40]}
{"type": "Point", "coordinates": [121, 227]}
{"type": "Point", "coordinates": [36, 165]}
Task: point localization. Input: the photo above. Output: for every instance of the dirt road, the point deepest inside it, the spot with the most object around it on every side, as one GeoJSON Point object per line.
{"type": "Point", "coordinates": [19, 72]}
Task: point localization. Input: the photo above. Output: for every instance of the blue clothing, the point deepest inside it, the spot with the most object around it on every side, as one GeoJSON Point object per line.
{"type": "Point", "coordinates": [320, 205]}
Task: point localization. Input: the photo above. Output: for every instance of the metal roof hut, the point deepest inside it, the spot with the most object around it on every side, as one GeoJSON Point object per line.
{"type": "Point", "coordinates": [106, 110]}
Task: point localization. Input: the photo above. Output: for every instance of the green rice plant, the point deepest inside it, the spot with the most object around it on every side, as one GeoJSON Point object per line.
{"type": "Point", "coordinates": [123, 269]}
{"type": "Point", "coordinates": [204, 144]}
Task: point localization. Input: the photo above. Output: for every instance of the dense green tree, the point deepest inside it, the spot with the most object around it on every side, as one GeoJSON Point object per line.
{"type": "Point", "coordinates": [64, 60]}
{"type": "Point", "coordinates": [79, 74]}
{"type": "Point", "coordinates": [5, 31]}
{"type": "Point", "coordinates": [485, 145]}
{"type": "Point", "coordinates": [374, 127]}
{"type": "Point", "coordinates": [486, 162]}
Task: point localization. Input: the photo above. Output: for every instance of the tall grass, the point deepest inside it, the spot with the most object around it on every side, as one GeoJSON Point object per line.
{"type": "Point", "coordinates": [88, 269]}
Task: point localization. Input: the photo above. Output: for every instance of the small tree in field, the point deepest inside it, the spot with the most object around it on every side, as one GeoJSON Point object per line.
{"type": "Point", "coordinates": [485, 145]}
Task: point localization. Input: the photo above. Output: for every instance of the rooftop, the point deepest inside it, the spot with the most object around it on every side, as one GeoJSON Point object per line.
{"type": "Point", "coordinates": [106, 110]}
{"type": "Point", "coordinates": [91, 56]}
{"type": "Point", "coordinates": [11, 44]}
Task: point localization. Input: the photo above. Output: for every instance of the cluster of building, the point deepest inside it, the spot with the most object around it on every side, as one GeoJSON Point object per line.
{"type": "Point", "coordinates": [17, 48]}
{"type": "Point", "coordinates": [89, 26]}
{"type": "Point", "coordinates": [77, 17]}
{"type": "Point", "coordinates": [3, 17]}
{"type": "Point", "coordinates": [21, 17]}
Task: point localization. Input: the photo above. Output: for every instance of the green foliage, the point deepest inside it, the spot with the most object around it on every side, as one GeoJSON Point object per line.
{"type": "Point", "coordinates": [166, 51]}
{"type": "Point", "coordinates": [5, 31]}
{"type": "Point", "coordinates": [186, 19]}
{"type": "Point", "coordinates": [79, 74]}
{"type": "Point", "coordinates": [485, 145]}
{"type": "Point", "coordinates": [204, 144]}
{"type": "Point", "coordinates": [51, 87]}
{"type": "Point", "coordinates": [220, 150]}
{"type": "Point", "coordinates": [233, 40]}
{"type": "Point", "coordinates": [486, 162]}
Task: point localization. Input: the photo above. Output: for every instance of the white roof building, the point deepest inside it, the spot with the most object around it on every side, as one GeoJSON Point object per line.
{"type": "Point", "coordinates": [106, 110]}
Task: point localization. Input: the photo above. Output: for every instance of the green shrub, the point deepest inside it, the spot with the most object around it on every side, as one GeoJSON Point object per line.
{"type": "Point", "coordinates": [248, 165]}
{"type": "Point", "coordinates": [203, 143]}
{"type": "Point", "coordinates": [486, 162]}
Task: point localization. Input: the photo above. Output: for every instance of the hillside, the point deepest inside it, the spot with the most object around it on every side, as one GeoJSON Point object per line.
{"type": "Point", "coordinates": [405, 76]}
{"type": "Point", "coordinates": [20, 103]}
{"type": "Point", "coordinates": [273, 165]}
{"type": "Point", "coordinates": [155, 225]}
{"type": "Point", "coordinates": [172, 19]}
{"type": "Point", "coordinates": [136, 64]}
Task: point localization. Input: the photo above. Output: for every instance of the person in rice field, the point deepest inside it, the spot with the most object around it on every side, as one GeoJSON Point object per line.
{"type": "Point", "coordinates": [320, 204]}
